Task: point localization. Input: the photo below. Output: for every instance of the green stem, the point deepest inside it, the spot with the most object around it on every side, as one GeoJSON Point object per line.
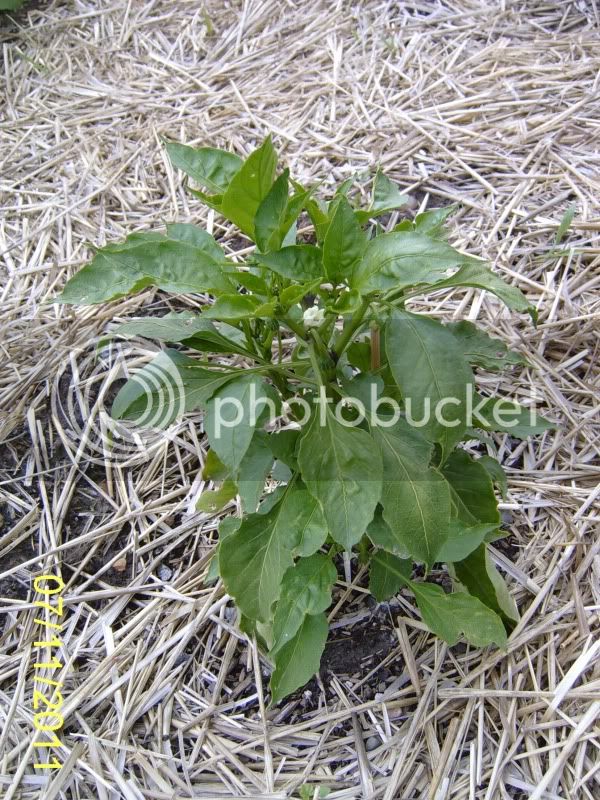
{"type": "Point", "coordinates": [352, 327]}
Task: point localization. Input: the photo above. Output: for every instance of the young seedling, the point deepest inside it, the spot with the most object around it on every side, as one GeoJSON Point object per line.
{"type": "Point", "coordinates": [352, 406]}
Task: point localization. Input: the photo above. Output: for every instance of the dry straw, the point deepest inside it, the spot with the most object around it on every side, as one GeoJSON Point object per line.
{"type": "Point", "coordinates": [494, 105]}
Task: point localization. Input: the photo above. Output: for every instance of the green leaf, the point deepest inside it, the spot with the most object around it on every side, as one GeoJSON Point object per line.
{"type": "Point", "coordinates": [171, 265]}
{"type": "Point", "coordinates": [232, 307]}
{"type": "Point", "coordinates": [451, 615]}
{"type": "Point", "coordinates": [404, 258]}
{"type": "Point", "coordinates": [475, 273]}
{"type": "Point", "coordinates": [283, 445]}
{"type": "Point", "coordinates": [197, 237]}
{"type": "Point", "coordinates": [432, 221]}
{"type": "Point", "coordinates": [482, 350]}
{"type": "Point", "coordinates": [11, 5]}
{"type": "Point", "coordinates": [463, 540]}
{"type": "Point", "coordinates": [299, 659]}
{"type": "Point", "coordinates": [215, 500]}
{"type": "Point", "coordinates": [388, 574]}
{"type": "Point", "coordinates": [249, 187]}
{"type": "Point", "coordinates": [565, 223]}
{"type": "Point", "coordinates": [386, 197]}
{"type": "Point", "coordinates": [431, 372]}
{"type": "Point", "coordinates": [168, 386]}
{"type": "Point", "coordinates": [380, 533]}
{"type": "Point", "coordinates": [473, 487]}
{"type": "Point", "coordinates": [341, 467]}
{"type": "Point", "coordinates": [415, 498]}
{"type": "Point", "coordinates": [270, 221]}
{"type": "Point", "coordinates": [299, 262]}
{"type": "Point", "coordinates": [496, 473]}
{"type": "Point", "coordinates": [208, 166]}
{"type": "Point", "coordinates": [254, 559]}
{"type": "Point", "coordinates": [305, 589]}
{"type": "Point", "coordinates": [478, 574]}
{"type": "Point", "coordinates": [232, 414]}
{"type": "Point", "coordinates": [505, 416]}
{"type": "Point", "coordinates": [254, 468]}
{"type": "Point", "coordinates": [214, 469]}
{"type": "Point", "coordinates": [318, 216]}
{"type": "Point", "coordinates": [344, 243]}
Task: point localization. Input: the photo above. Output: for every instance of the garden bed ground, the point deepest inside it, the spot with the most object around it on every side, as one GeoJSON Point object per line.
{"type": "Point", "coordinates": [491, 105]}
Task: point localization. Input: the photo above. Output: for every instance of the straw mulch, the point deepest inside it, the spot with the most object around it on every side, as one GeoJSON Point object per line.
{"type": "Point", "coordinates": [494, 105]}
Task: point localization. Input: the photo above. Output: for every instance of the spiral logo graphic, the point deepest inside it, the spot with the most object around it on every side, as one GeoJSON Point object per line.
{"type": "Point", "coordinates": [117, 401]}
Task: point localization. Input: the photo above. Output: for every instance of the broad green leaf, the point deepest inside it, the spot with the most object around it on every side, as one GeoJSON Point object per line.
{"type": "Point", "coordinates": [347, 302]}
{"type": "Point", "coordinates": [318, 216]}
{"type": "Point", "coordinates": [305, 589]}
{"type": "Point", "coordinates": [404, 258]}
{"type": "Point", "coordinates": [496, 473]}
{"type": "Point", "coordinates": [253, 470]}
{"type": "Point", "coordinates": [463, 540]}
{"type": "Point", "coordinates": [312, 528]}
{"type": "Point", "coordinates": [482, 350]}
{"type": "Point", "coordinates": [473, 486]}
{"type": "Point", "coordinates": [432, 221]}
{"type": "Point", "coordinates": [451, 615]}
{"type": "Point", "coordinates": [415, 498]}
{"type": "Point", "coordinates": [216, 499]}
{"type": "Point", "coordinates": [168, 386]}
{"type": "Point", "coordinates": [388, 573]}
{"type": "Point", "coordinates": [296, 292]}
{"type": "Point", "coordinates": [270, 220]}
{"type": "Point", "coordinates": [233, 413]}
{"type": "Point", "coordinates": [254, 559]}
{"type": "Point", "coordinates": [206, 165]}
{"type": "Point", "coordinates": [214, 469]}
{"type": "Point", "coordinates": [499, 414]}
{"type": "Point", "coordinates": [475, 273]}
{"type": "Point", "coordinates": [386, 197]}
{"type": "Point", "coordinates": [380, 533]}
{"type": "Point", "coordinates": [341, 467]}
{"type": "Point", "coordinates": [298, 262]}
{"type": "Point", "coordinates": [432, 374]}
{"type": "Point", "coordinates": [248, 280]}
{"type": "Point", "coordinates": [197, 237]}
{"type": "Point", "coordinates": [478, 574]}
{"type": "Point", "coordinates": [344, 243]}
{"type": "Point", "coordinates": [232, 307]}
{"type": "Point", "coordinates": [299, 659]}
{"type": "Point", "coordinates": [283, 445]}
{"type": "Point", "coordinates": [169, 264]}
{"type": "Point", "coordinates": [359, 355]}
{"type": "Point", "coordinates": [249, 187]}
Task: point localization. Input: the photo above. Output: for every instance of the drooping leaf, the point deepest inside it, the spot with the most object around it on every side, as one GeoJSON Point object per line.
{"type": "Point", "coordinates": [404, 258]}
{"type": "Point", "coordinates": [463, 540]}
{"type": "Point", "coordinates": [305, 589]}
{"type": "Point", "coordinates": [298, 262]}
{"type": "Point", "coordinates": [208, 166]}
{"type": "Point", "coordinates": [233, 413]}
{"type": "Point", "coordinates": [165, 388]}
{"type": "Point", "coordinates": [253, 470]}
{"type": "Point", "coordinates": [214, 469]}
{"type": "Point", "coordinates": [341, 467]}
{"type": "Point", "coordinates": [478, 574]}
{"type": "Point", "coordinates": [473, 486]}
{"type": "Point", "coordinates": [270, 220]}
{"type": "Point", "coordinates": [249, 187]}
{"type": "Point", "coordinates": [482, 350]}
{"type": "Point", "coordinates": [171, 265]}
{"type": "Point", "coordinates": [254, 559]}
{"type": "Point", "coordinates": [380, 533]}
{"type": "Point", "coordinates": [299, 659]}
{"type": "Point", "coordinates": [505, 416]}
{"type": "Point", "coordinates": [388, 573]}
{"type": "Point", "coordinates": [475, 273]}
{"type": "Point", "coordinates": [344, 243]}
{"type": "Point", "coordinates": [432, 374]}
{"type": "Point", "coordinates": [216, 499]}
{"type": "Point", "coordinates": [415, 498]}
{"type": "Point", "coordinates": [451, 615]}
{"type": "Point", "coordinates": [496, 473]}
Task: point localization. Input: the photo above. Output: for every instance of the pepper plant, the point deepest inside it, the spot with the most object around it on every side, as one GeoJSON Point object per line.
{"type": "Point", "coordinates": [318, 380]}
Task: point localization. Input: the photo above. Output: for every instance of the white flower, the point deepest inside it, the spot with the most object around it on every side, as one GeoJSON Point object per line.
{"type": "Point", "coordinates": [313, 317]}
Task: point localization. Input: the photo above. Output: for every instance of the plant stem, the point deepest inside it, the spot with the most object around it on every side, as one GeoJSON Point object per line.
{"type": "Point", "coordinates": [351, 328]}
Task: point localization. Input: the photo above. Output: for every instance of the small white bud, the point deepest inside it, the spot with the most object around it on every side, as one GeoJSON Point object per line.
{"type": "Point", "coordinates": [313, 317]}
